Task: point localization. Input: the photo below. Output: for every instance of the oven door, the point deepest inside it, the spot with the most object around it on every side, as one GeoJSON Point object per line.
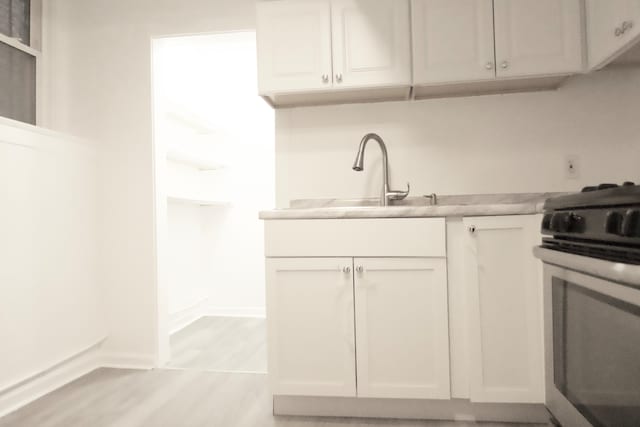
{"type": "Point", "coordinates": [592, 342]}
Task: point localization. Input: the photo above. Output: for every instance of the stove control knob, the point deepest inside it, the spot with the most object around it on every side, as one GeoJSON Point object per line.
{"type": "Point", "coordinates": [546, 222]}
{"type": "Point", "coordinates": [607, 186]}
{"type": "Point", "coordinates": [560, 222]}
{"type": "Point", "coordinates": [613, 222]}
{"type": "Point", "coordinates": [631, 224]}
{"type": "Point", "coordinates": [576, 223]}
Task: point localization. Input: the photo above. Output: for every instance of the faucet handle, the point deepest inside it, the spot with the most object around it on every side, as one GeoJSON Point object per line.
{"type": "Point", "coordinates": [432, 198]}
{"type": "Point", "coordinates": [399, 195]}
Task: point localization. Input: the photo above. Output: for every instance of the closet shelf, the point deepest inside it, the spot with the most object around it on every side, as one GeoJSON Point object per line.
{"type": "Point", "coordinates": [200, 163]}
{"type": "Point", "coordinates": [197, 201]}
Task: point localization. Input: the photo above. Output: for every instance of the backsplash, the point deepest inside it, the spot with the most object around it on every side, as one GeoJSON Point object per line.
{"type": "Point", "coordinates": [507, 143]}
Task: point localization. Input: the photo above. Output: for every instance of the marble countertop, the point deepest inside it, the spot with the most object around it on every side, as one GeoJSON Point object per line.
{"type": "Point", "coordinates": [414, 207]}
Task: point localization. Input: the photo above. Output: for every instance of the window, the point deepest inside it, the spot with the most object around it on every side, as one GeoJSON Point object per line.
{"type": "Point", "coordinates": [15, 19]}
{"type": "Point", "coordinates": [17, 61]}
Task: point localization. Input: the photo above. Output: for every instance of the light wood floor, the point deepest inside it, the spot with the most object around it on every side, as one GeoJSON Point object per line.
{"type": "Point", "coordinates": [176, 398]}
{"type": "Point", "coordinates": [221, 344]}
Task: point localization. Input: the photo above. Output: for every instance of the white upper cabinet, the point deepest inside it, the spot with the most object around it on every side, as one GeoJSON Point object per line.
{"type": "Point", "coordinates": [333, 51]}
{"type": "Point", "coordinates": [452, 41]}
{"type": "Point", "coordinates": [402, 331]}
{"type": "Point", "coordinates": [371, 43]}
{"type": "Point", "coordinates": [505, 313]}
{"type": "Point", "coordinates": [612, 27]}
{"type": "Point", "coordinates": [534, 38]}
{"type": "Point", "coordinates": [475, 46]}
{"type": "Point", "coordinates": [294, 45]}
{"type": "Point", "coordinates": [313, 52]}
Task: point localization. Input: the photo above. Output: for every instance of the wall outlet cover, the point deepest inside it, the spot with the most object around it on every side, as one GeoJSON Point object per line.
{"type": "Point", "coordinates": [572, 167]}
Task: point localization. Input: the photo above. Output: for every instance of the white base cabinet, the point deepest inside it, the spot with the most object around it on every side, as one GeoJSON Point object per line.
{"type": "Point", "coordinates": [310, 326]}
{"type": "Point", "coordinates": [362, 308]}
{"type": "Point", "coordinates": [504, 306]}
{"type": "Point", "coordinates": [402, 328]}
{"type": "Point", "coordinates": [375, 320]}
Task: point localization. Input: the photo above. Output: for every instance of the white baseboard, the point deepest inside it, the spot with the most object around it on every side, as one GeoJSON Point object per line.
{"type": "Point", "coordinates": [203, 308]}
{"type": "Point", "coordinates": [89, 359]}
{"type": "Point", "coordinates": [127, 361]}
{"type": "Point", "coordinates": [36, 386]}
{"type": "Point", "coordinates": [183, 318]}
{"type": "Point", "coordinates": [236, 311]}
{"type": "Point", "coordinates": [455, 409]}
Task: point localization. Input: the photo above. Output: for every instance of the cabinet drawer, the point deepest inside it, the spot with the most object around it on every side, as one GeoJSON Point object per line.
{"type": "Point", "coordinates": [388, 237]}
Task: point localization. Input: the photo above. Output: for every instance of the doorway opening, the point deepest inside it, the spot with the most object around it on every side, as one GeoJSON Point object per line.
{"type": "Point", "coordinates": [214, 143]}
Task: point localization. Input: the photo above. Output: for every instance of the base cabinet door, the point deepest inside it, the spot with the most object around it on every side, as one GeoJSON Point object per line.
{"type": "Point", "coordinates": [504, 301]}
{"type": "Point", "coordinates": [311, 326]}
{"type": "Point", "coordinates": [402, 328]}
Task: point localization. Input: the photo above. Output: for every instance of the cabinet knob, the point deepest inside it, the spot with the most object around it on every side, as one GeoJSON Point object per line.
{"type": "Point", "coordinates": [472, 229]}
{"type": "Point", "coordinates": [504, 65]}
{"type": "Point", "coordinates": [339, 77]}
{"type": "Point", "coordinates": [489, 65]}
{"type": "Point", "coordinates": [618, 32]}
{"type": "Point", "coordinates": [325, 78]}
{"type": "Point", "coordinates": [359, 269]}
{"type": "Point", "coordinates": [346, 270]}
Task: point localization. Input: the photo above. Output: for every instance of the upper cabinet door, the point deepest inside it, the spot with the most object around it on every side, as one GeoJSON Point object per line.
{"type": "Point", "coordinates": [294, 45]}
{"type": "Point", "coordinates": [452, 41]}
{"type": "Point", "coordinates": [402, 335]}
{"type": "Point", "coordinates": [371, 43]}
{"type": "Point", "coordinates": [541, 37]}
{"type": "Point", "coordinates": [612, 27]}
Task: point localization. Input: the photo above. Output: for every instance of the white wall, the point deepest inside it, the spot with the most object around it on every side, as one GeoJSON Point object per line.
{"type": "Point", "coordinates": [484, 144]}
{"type": "Point", "coordinates": [186, 272]}
{"type": "Point", "coordinates": [100, 88]}
{"type": "Point", "coordinates": [50, 299]}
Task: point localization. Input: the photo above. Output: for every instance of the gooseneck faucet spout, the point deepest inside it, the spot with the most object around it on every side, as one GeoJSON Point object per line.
{"type": "Point", "coordinates": [358, 165]}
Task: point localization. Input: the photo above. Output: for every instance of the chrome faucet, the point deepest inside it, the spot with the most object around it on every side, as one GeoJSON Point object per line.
{"type": "Point", "coordinates": [386, 195]}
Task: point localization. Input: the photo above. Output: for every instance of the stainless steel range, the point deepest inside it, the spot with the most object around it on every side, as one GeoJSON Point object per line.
{"type": "Point", "coordinates": [592, 306]}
